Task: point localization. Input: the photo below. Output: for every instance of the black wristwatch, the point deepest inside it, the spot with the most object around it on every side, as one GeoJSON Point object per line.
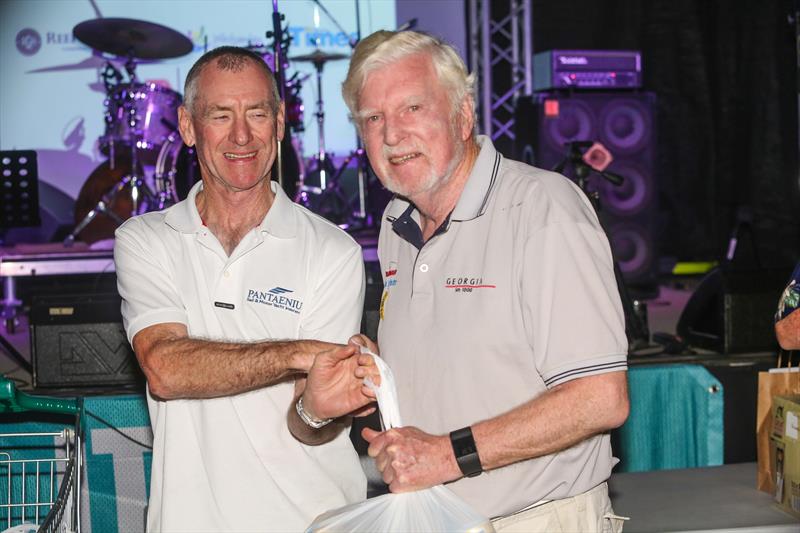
{"type": "Point", "coordinates": [466, 452]}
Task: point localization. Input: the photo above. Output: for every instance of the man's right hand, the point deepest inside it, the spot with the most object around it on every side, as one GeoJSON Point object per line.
{"type": "Point", "coordinates": [332, 388]}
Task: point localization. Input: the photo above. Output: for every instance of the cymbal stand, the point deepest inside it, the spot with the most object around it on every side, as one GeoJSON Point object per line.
{"type": "Point", "coordinates": [320, 114]}
{"type": "Point", "coordinates": [327, 198]}
{"type": "Point", "coordinates": [322, 165]}
{"type": "Point", "coordinates": [358, 215]}
{"type": "Point", "coordinates": [362, 175]}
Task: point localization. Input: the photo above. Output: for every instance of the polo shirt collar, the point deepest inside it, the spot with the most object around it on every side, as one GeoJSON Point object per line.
{"type": "Point", "coordinates": [475, 196]}
{"type": "Point", "coordinates": [279, 221]}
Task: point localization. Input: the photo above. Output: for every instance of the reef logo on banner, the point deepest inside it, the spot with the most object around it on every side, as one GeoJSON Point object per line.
{"type": "Point", "coordinates": [28, 41]}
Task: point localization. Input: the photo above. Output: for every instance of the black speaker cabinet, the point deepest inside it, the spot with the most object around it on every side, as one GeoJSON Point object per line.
{"type": "Point", "coordinates": [624, 122]}
{"type": "Point", "coordinates": [731, 311]}
{"type": "Point", "coordinates": [78, 341]}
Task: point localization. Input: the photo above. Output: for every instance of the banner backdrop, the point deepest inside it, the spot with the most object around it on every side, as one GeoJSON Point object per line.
{"type": "Point", "coordinates": [51, 90]}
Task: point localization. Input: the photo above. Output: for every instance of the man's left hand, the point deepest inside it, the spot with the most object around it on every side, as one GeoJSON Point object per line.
{"type": "Point", "coordinates": [332, 388]}
{"type": "Point", "coordinates": [410, 459]}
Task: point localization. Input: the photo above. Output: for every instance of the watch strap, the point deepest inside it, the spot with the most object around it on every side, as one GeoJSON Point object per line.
{"type": "Point", "coordinates": [466, 452]}
{"type": "Point", "coordinates": [309, 420]}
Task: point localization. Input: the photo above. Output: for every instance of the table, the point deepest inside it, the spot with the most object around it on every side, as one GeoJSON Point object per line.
{"type": "Point", "coordinates": [719, 498]}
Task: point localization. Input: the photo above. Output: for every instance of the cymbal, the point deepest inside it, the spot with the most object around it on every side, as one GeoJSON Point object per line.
{"type": "Point", "coordinates": [92, 62]}
{"type": "Point", "coordinates": [137, 38]}
{"type": "Point", "coordinates": [318, 57]}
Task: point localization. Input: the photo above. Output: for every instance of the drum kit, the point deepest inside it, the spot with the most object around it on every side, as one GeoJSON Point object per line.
{"type": "Point", "coordinates": [149, 167]}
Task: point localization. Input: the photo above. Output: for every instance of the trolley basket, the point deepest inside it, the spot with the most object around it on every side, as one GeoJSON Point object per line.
{"type": "Point", "coordinates": [40, 471]}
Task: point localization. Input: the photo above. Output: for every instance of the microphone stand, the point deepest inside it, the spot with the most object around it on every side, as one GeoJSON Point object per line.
{"type": "Point", "coordinates": [635, 311]}
{"type": "Point", "coordinates": [280, 76]}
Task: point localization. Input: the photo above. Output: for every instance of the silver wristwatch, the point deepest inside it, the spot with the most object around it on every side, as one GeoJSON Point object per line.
{"type": "Point", "coordinates": [315, 423]}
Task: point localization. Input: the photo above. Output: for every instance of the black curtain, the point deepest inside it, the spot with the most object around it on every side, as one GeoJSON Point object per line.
{"type": "Point", "coordinates": [724, 72]}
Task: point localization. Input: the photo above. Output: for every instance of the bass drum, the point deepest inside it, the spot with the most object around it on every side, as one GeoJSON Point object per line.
{"type": "Point", "coordinates": [177, 170]}
{"type": "Point", "coordinates": [100, 182]}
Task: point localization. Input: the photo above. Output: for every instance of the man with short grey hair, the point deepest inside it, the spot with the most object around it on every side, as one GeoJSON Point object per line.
{"type": "Point", "coordinates": [234, 301]}
{"type": "Point", "coordinates": [500, 315]}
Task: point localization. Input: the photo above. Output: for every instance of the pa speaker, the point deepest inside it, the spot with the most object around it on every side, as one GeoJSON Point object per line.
{"type": "Point", "coordinates": [78, 341]}
{"type": "Point", "coordinates": [623, 122]}
{"type": "Point", "coordinates": [731, 311]}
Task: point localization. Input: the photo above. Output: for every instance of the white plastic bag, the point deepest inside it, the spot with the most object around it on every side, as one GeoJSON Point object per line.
{"type": "Point", "coordinates": [429, 510]}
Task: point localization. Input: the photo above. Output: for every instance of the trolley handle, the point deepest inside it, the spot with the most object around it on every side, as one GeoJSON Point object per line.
{"type": "Point", "coordinates": [14, 401]}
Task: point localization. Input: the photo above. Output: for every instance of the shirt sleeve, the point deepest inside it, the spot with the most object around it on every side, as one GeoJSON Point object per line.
{"type": "Point", "coordinates": [338, 298]}
{"type": "Point", "coordinates": [148, 292]}
{"type": "Point", "coordinates": [572, 308]}
{"type": "Point", "coordinates": [790, 299]}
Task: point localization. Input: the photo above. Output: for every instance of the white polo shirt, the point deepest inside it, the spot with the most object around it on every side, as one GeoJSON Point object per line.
{"type": "Point", "coordinates": [513, 295]}
{"type": "Point", "coordinates": [230, 464]}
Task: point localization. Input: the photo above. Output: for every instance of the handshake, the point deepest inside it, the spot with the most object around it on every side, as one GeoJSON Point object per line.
{"type": "Point", "coordinates": [333, 386]}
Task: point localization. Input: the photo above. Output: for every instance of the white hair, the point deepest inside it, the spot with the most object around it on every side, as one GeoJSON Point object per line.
{"type": "Point", "coordinates": [383, 48]}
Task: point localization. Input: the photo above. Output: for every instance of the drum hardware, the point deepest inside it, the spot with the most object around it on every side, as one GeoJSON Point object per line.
{"type": "Point", "coordinates": [295, 110]}
{"type": "Point", "coordinates": [139, 190]}
{"type": "Point", "coordinates": [280, 44]}
{"type": "Point", "coordinates": [177, 170]}
{"type": "Point", "coordinates": [329, 201]}
{"type": "Point", "coordinates": [136, 118]}
{"type": "Point", "coordinates": [359, 216]}
{"type": "Point", "coordinates": [321, 165]}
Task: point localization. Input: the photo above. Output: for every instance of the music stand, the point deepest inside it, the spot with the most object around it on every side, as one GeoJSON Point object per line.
{"type": "Point", "coordinates": [19, 190]}
{"type": "Point", "coordinates": [19, 208]}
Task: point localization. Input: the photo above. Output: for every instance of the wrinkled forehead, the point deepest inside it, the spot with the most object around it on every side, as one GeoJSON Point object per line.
{"type": "Point", "coordinates": [218, 82]}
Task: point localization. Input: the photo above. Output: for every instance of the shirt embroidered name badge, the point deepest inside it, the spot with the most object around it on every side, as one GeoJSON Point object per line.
{"type": "Point", "coordinates": [466, 284]}
{"type": "Point", "coordinates": [276, 297]}
{"type": "Point", "coordinates": [390, 277]}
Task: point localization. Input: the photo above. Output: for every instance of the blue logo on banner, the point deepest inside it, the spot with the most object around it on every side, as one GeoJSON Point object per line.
{"type": "Point", "coordinates": [28, 41]}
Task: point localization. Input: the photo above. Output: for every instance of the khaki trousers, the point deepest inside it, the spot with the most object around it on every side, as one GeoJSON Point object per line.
{"type": "Point", "coordinates": [587, 512]}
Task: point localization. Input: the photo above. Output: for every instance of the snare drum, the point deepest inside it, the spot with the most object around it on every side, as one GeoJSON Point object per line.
{"type": "Point", "coordinates": [143, 113]}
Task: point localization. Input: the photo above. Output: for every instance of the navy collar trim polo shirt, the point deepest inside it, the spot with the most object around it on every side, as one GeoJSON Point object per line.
{"type": "Point", "coordinates": [471, 204]}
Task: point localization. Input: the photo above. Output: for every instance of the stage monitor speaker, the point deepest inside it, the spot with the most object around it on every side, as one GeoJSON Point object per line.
{"type": "Point", "coordinates": [731, 311]}
{"type": "Point", "coordinates": [78, 341]}
{"type": "Point", "coordinates": [624, 122]}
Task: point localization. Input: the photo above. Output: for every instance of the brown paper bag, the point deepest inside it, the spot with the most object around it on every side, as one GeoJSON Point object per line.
{"type": "Point", "coordinates": [770, 384]}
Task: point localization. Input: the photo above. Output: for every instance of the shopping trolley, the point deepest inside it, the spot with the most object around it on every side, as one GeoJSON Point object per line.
{"type": "Point", "coordinates": [40, 472]}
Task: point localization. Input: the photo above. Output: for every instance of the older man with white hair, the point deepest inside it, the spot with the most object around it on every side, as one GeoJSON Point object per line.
{"type": "Point", "coordinates": [500, 314]}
